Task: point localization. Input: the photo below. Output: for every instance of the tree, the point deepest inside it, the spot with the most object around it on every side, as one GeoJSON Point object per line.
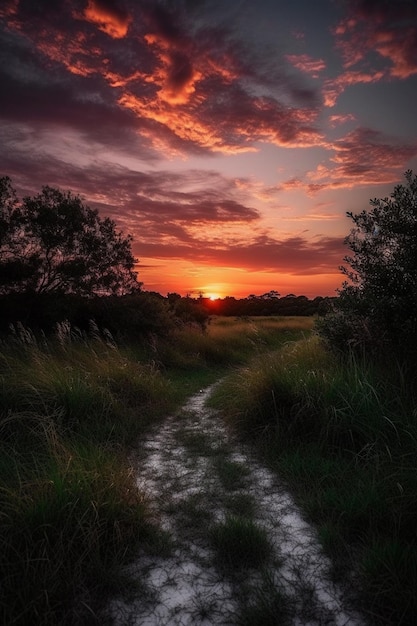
{"type": "Point", "coordinates": [377, 306]}
{"type": "Point", "coordinates": [53, 243]}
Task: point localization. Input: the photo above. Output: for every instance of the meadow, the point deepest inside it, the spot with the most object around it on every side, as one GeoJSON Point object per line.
{"type": "Point", "coordinates": [341, 433]}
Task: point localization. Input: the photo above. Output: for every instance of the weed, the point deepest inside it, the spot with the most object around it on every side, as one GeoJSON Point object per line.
{"type": "Point", "coordinates": [240, 505]}
{"type": "Point", "coordinates": [240, 543]}
{"type": "Point", "coordinates": [269, 604]}
{"type": "Point", "coordinates": [67, 522]}
{"type": "Point", "coordinates": [232, 474]}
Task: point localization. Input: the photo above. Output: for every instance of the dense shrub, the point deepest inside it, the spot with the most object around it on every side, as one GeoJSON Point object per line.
{"type": "Point", "coordinates": [124, 316]}
{"type": "Point", "coordinates": [376, 311]}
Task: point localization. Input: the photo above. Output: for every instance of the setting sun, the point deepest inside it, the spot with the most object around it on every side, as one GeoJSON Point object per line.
{"type": "Point", "coordinates": [239, 159]}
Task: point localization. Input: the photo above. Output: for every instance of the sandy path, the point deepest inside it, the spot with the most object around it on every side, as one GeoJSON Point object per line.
{"type": "Point", "coordinates": [176, 466]}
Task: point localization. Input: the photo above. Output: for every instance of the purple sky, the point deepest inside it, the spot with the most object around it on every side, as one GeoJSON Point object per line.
{"type": "Point", "coordinates": [229, 138]}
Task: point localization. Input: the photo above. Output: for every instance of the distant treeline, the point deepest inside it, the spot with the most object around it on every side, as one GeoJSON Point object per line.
{"type": "Point", "coordinates": [142, 313]}
{"type": "Point", "coordinates": [267, 305]}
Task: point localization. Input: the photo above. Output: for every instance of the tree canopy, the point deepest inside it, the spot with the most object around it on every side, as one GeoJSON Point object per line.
{"type": "Point", "coordinates": [377, 305]}
{"type": "Point", "coordinates": [53, 243]}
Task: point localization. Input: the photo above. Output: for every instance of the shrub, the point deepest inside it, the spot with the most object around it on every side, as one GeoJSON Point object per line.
{"type": "Point", "coordinates": [376, 311]}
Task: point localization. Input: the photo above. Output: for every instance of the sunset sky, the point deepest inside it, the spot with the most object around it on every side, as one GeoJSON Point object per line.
{"type": "Point", "coordinates": [229, 137]}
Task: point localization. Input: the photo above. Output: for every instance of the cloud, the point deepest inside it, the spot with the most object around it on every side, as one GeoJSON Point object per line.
{"type": "Point", "coordinates": [341, 118]}
{"type": "Point", "coordinates": [145, 203]}
{"type": "Point", "coordinates": [295, 255]}
{"type": "Point", "coordinates": [305, 63]}
{"type": "Point", "coordinates": [183, 88]}
{"type": "Point", "coordinates": [333, 88]}
{"type": "Point", "coordinates": [362, 157]}
{"type": "Point", "coordinates": [194, 215]}
{"type": "Point", "coordinates": [386, 28]}
{"type": "Point", "coordinates": [108, 16]}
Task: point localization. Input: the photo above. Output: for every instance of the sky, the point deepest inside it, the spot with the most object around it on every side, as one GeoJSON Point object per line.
{"type": "Point", "coordinates": [229, 138]}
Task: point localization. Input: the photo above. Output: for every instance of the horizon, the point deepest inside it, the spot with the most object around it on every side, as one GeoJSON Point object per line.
{"type": "Point", "coordinates": [230, 139]}
{"type": "Point", "coordinates": [213, 297]}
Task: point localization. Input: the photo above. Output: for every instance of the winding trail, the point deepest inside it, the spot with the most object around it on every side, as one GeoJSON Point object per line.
{"type": "Point", "coordinates": [196, 475]}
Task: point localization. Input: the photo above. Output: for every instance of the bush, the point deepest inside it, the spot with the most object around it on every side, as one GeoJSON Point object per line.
{"type": "Point", "coordinates": [376, 311]}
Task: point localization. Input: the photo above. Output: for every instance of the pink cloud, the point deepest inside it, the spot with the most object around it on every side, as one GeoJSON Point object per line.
{"type": "Point", "coordinates": [363, 157]}
{"type": "Point", "coordinates": [334, 87]}
{"type": "Point", "coordinates": [342, 118]}
{"type": "Point", "coordinates": [184, 91]}
{"type": "Point", "coordinates": [293, 255]}
{"type": "Point", "coordinates": [387, 28]}
{"type": "Point", "coordinates": [305, 63]}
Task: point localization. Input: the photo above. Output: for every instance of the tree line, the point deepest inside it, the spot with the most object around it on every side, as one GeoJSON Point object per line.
{"type": "Point", "coordinates": [60, 260]}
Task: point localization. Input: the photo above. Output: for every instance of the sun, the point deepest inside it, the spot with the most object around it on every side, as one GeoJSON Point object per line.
{"type": "Point", "coordinates": [213, 296]}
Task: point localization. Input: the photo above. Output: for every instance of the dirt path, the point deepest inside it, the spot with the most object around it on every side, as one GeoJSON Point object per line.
{"type": "Point", "coordinates": [198, 478]}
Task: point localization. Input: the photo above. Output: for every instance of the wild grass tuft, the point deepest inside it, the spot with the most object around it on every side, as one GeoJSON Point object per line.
{"type": "Point", "coordinates": [240, 543]}
{"type": "Point", "coordinates": [71, 513]}
{"type": "Point", "coordinates": [268, 604]}
{"type": "Point", "coordinates": [70, 516]}
{"type": "Point", "coordinates": [231, 473]}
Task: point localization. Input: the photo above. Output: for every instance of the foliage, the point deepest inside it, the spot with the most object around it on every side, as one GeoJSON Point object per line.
{"type": "Point", "coordinates": [52, 242]}
{"type": "Point", "coordinates": [270, 303]}
{"type": "Point", "coordinates": [377, 309]}
{"type": "Point", "coordinates": [343, 434]}
{"type": "Point", "coordinates": [70, 406]}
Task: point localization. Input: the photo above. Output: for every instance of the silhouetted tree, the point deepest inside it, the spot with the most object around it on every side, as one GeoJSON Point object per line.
{"type": "Point", "coordinates": [377, 308]}
{"type": "Point", "coordinates": [53, 243]}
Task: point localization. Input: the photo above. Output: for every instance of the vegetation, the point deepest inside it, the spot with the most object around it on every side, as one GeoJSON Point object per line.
{"type": "Point", "coordinates": [344, 435]}
{"type": "Point", "coordinates": [270, 303]}
{"type": "Point", "coordinates": [71, 404]}
{"type": "Point", "coordinates": [240, 543]}
{"type": "Point", "coordinates": [337, 418]}
{"type": "Point", "coordinates": [71, 512]}
{"type": "Point", "coordinates": [333, 413]}
{"type": "Point", "coordinates": [52, 242]}
{"type": "Point", "coordinates": [376, 311]}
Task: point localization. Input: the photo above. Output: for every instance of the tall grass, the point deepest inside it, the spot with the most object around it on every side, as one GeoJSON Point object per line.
{"type": "Point", "coordinates": [71, 513]}
{"type": "Point", "coordinates": [70, 406]}
{"type": "Point", "coordinates": [344, 435]}
{"type": "Point", "coordinates": [69, 518]}
{"type": "Point", "coordinates": [228, 341]}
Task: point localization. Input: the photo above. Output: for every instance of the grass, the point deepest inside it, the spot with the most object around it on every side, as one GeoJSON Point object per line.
{"type": "Point", "coordinates": [69, 517]}
{"type": "Point", "coordinates": [240, 505]}
{"type": "Point", "coordinates": [71, 513]}
{"type": "Point", "coordinates": [344, 435]}
{"type": "Point", "coordinates": [70, 408]}
{"type": "Point", "coordinates": [232, 474]}
{"type": "Point", "coordinates": [268, 604]}
{"type": "Point", "coordinates": [240, 543]}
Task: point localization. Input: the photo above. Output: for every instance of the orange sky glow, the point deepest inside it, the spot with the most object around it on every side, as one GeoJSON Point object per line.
{"type": "Point", "coordinates": [228, 138]}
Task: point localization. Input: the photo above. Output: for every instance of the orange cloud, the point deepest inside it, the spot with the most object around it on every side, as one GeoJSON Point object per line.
{"type": "Point", "coordinates": [176, 75]}
{"type": "Point", "coordinates": [109, 18]}
{"type": "Point", "coordinates": [306, 64]}
{"type": "Point", "coordinates": [231, 124]}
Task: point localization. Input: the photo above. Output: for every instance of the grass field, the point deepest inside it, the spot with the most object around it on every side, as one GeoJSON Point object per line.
{"type": "Point", "coordinates": [70, 407]}
{"type": "Point", "coordinates": [343, 434]}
